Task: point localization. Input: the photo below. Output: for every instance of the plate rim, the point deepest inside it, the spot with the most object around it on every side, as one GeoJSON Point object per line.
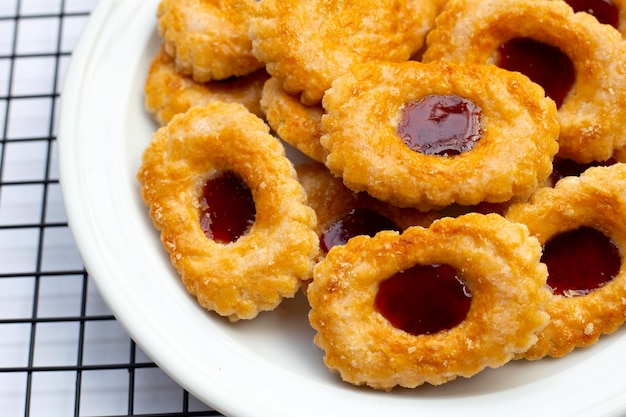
{"type": "Point", "coordinates": [100, 262]}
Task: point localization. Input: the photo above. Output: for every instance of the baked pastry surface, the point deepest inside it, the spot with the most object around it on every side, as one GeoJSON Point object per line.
{"type": "Point", "coordinates": [496, 259]}
{"type": "Point", "coordinates": [612, 12]}
{"type": "Point", "coordinates": [297, 124]}
{"type": "Point", "coordinates": [208, 39]}
{"type": "Point", "coordinates": [511, 158]}
{"type": "Point", "coordinates": [592, 116]}
{"type": "Point", "coordinates": [168, 93]}
{"type": "Point", "coordinates": [308, 43]}
{"type": "Point", "coordinates": [594, 200]}
{"type": "Point", "coordinates": [255, 272]}
{"type": "Point", "coordinates": [333, 202]}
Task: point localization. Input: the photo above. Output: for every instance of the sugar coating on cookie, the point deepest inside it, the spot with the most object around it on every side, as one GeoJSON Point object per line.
{"type": "Point", "coordinates": [306, 44]}
{"type": "Point", "coordinates": [255, 272]}
{"type": "Point", "coordinates": [595, 200]}
{"type": "Point", "coordinates": [208, 39]}
{"type": "Point", "coordinates": [592, 115]}
{"type": "Point", "coordinates": [609, 12]}
{"type": "Point", "coordinates": [297, 124]}
{"type": "Point", "coordinates": [341, 93]}
{"type": "Point", "coordinates": [496, 260]}
{"type": "Point", "coordinates": [168, 92]}
{"type": "Point", "coordinates": [513, 133]}
{"type": "Point", "coordinates": [342, 213]}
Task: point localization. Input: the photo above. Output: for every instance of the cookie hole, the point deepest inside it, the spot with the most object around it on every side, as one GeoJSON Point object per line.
{"type": "Point", "coordinates": [443, 125]}
{"type": "Point", "coordinates": [227, 209]}
{"type": "Point", "coordinates": [603, 10]}
{"type": "Point", "coordinates": [580, 261]}
{"type": "Point", "coordinates": [544, 64]}
{"type": "Point", "coordinates": [358, 221]}
{"type": "Point", "coordinates": [424, 299]}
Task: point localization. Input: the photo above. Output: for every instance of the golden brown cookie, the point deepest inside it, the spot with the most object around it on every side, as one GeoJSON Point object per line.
{"type": "Point", "coordinates": [208, 38]}
{"type": "Point", "coordinates": [589, 212]}
{"type": "Point", "coordinates": [377, 114]}
{"type": "Point", "coordinates": [481, 266]}
{"type": "Point", "coordinates": [168, 93]}
{"type": "Point", "coordinates": [342, 213]}
{"type": "Point", "coordinates": [609, 12]}
{"type": "Point", "coordinates": [620, 5]}
{"type": "Point", "coordinates": [566, 168]}
{"type": "Point", "coordinates": [592, 114]}
{"type": "Point", "coordinates": [266, 263]}
{"type": "Point", "coordinates": [308, 43]}
{"type": "Point", "coordinates": [297, 124]}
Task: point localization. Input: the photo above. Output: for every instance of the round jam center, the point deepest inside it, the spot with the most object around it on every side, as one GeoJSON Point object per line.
{"type": "Point", "coordinates": [567, 168]}
{"type": "Point", "coordinates": [227, 208]}
{"type": "Point", "coordinates": [542, 63]}
{"type": "Point", "coordinates": [603, 10]}
{"type": "Point", "coordinates": [580, 261]}
{"type": "Point", "coordinates": [356, 222]}
{"type": "Point", "coordinates": [440, 125]}
{"type": "Point", "coordinates": [424, 299]}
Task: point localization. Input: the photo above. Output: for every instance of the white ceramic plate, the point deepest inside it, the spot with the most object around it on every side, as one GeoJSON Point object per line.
{"type": "Point", "coordinates": [269, 366]}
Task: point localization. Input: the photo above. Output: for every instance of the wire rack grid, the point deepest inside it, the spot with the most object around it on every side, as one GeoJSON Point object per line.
{"type": "Point", "coordinates": [62, 353]}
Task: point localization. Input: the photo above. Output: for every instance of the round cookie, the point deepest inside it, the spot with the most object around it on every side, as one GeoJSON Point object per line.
{"type": "Point", "coordinates": [256, 271]}
{"type": "Point", "coordinates": [306, 44]}
{"type": "Point", "coordinates": [592, 115]}
{"type": "Point", "coordinates": [513, 133]}
{"type": "Point", "coordinates": [168, 93]}
{"type": "Point", "coordinates": [208, 39]}
{"type": "Point", "coordinates": [595, 200]}
{"type": "Point", "coordinates": [496, 261]}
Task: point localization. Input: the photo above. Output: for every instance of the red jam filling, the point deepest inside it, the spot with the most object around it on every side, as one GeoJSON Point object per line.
{"type": "Point", "coordinates": [542, 63]}
{"type": "Point", "coordinates": [227, 208]}
{"type": "Point", "coordinates": [356, 222]}
{"type": "Point", "coordinates": [424, 299]}
{"type": "Point", "coordinates": [603, 10]}
{"type": "Point", "coordinates": [441, 125]}
{"type": "Point", "coordinates": [567, 168]}
{"type": "Point", "coordinates": [580, 261]}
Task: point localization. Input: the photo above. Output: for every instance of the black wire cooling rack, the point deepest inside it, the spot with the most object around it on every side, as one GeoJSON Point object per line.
{"type": "Point", "coordinates": [62, 353]}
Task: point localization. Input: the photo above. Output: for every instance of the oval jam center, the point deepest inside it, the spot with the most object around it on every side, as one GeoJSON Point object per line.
{"type": "Point", "coordinates": [424, 299]}
{"type": "Point", "coordinates": [580, 261]}
{"type": "Point", "coordinates": [356, 222]}
{"type": "Point", "coordinates": [603, 10]}
{"type": "Point", "coordinates": [542, 63]}
{"type": "Point", "coordinates": [440, 125]}
{"type": "Point", "coordinates": [227, 209]}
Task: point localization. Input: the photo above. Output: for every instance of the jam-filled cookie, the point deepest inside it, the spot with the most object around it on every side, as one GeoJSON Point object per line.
{"type": "Point", "coordinates": [343, 214]}
{"type": "Point", "coordinates": [581, 223]}
{"type": "Point", "coordinates": [430, 304]}
{"type": "Point", "coordinates": [308, 43]}
{"type": "Point", "coordinates": [579, 62]}
{"type": "Point", "coordinates": [297, 124]}
{"type": "Point", "coordinates": [231, 212]}
{"type": "Point", "coordinates": [429, 135]}
{"type": "Point", "coordinates": [168, 93]}
{"type": "Point", "coordinates": [208, 38]}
